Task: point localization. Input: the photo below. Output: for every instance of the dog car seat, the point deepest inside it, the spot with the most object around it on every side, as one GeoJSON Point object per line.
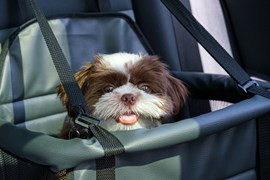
{"type": "Point", "coordinates": [249, 127]}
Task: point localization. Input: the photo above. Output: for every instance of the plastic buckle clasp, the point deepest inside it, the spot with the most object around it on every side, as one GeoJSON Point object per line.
{"type": "Point", "coordinates": [247, 85]}
{"type": "Point", "coordinates": [85, 120]}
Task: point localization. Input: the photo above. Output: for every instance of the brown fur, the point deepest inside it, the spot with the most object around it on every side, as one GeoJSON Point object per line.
{"type": "Point", "coordinates": [93, 79]}
{"type": "Point", "coordinates": [159, 80]}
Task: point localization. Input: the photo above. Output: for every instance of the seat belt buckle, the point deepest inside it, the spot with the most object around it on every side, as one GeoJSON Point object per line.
{"type": "Point", "coordinates": [248, 84]}
{"type": "Point", "coordinates": [86, 120]}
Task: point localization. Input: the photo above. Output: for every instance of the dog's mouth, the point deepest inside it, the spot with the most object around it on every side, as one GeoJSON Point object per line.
{"type": "Point", "coordinates": [128, 118]}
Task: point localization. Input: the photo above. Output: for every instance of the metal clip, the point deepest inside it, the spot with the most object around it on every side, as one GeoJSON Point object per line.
{"type": "Point", "coordinates": [85, 120]}
{"type": "Point", "coordinates": [248, 84]}
{"type": "Point", "coordinates": [74, 133]}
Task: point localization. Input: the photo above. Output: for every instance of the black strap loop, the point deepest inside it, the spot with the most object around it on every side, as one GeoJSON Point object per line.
{"type": "Point", "coordinates": [248, 85]}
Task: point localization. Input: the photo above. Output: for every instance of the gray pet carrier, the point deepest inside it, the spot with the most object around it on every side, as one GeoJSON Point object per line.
{"type": "Point", "coordinates": [216, 145]}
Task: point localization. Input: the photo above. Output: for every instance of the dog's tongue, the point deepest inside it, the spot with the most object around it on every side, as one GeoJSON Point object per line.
{"type": "Point", "coordinates": [128, 119]}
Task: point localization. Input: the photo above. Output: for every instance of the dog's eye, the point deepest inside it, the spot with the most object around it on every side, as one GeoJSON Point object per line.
{"type": "Point", "coordinates": [108, 89]}
{"type": "Point", "coordinates": [145, 88]}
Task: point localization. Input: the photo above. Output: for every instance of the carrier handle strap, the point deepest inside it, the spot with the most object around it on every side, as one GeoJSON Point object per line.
{"type": "Point", "coordinates": [111, 145]}
{"type": "Point", "coordinates": [63, 69]}
{"type": "Point", "coordinates": [210, 44]}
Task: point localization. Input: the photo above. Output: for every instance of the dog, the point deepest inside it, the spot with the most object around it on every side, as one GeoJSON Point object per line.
{"type": "Point", "coordinates": [127, 91]}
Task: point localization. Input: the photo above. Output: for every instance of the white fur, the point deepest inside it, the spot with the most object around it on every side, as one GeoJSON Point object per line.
{"type": "Point", "coordinates": [120, 61]}
{"type": "Point", "coordinates": [149, 108]}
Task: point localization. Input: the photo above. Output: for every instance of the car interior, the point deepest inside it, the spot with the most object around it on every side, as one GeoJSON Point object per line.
{"type": "Point", "coordinates": [242, 28]}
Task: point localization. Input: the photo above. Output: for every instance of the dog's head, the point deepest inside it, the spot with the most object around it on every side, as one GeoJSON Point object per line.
{"type": "Point", "coordinates": [128, 91]}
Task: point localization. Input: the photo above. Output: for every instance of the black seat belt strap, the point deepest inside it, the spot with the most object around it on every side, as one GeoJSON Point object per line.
{"type": "Point", "coordinates": [235, 71]}
{"type": "Point", "coordinates": [111, 145]}
{"type": "Point", "coordinates": [214, 48]}
{"type": "Point", "coordinates": [263, 139]}
{"type": "Point", "coordinates": [64, 71]}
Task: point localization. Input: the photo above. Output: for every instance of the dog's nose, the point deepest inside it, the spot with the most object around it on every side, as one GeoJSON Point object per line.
{"type": "Point", "coordinates": [128, 99]}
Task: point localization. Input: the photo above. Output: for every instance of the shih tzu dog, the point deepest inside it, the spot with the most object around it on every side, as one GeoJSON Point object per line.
{"type": "Point", "coordinates": [127, 91]}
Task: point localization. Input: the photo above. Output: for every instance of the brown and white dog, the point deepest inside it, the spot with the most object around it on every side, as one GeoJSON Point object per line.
{"type": "Point", "coordinates": [127, 91]}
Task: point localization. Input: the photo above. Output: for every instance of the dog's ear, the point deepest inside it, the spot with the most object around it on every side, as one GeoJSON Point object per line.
{"type": "Point", "coordinates": [81, 77]}
{"type": "Point", "coordinates": [177, 92]}
{"type": "Point", "coordinates": [175, 88]}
